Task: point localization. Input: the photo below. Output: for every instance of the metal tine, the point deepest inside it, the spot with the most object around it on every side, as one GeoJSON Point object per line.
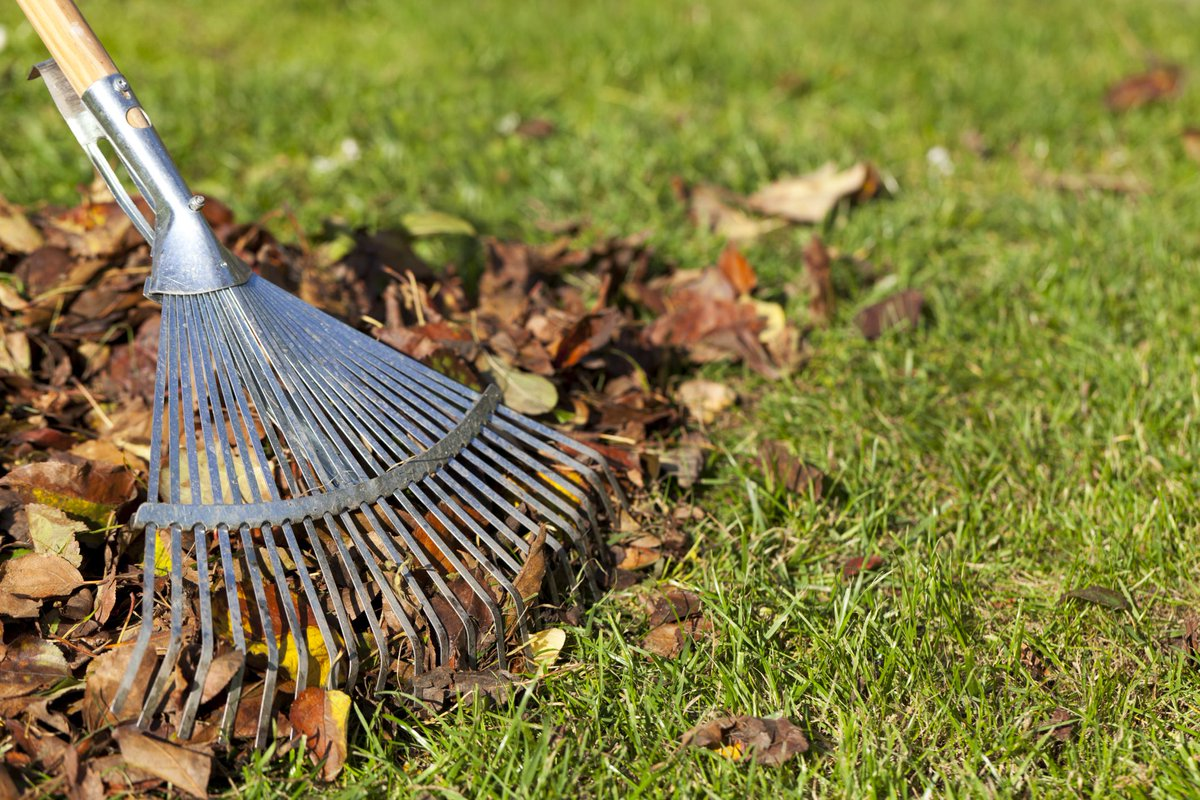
{"type": "Point", "coordinates": [190, 708]}
{"type": "Point", "coordinates": [180, 390]}
{"type": "Point", "coordinates": [351, 575]}
{"type": "Point", "coordinates": [300, 391]}
{"type": "Point", "coordinates": [366, 437]}
{"type": "Point", "coordinates": [236, 632]}
{"type": "Point", "coordinates": [407, 575]}
{"type": "Point", "coordinates": [381, 582]}
{"type": "Point", "coordinates": [224, 420]}
{"type": "Point", "coordinates": [349, 643]}
{"type": "Point", "coordinates": [299, 631]}
{"type": "Point", "coordinates": [151, 533]}
{"type": "Point", "coordinates": [166, 668]}
{"type": "Point", "coordinates": [250, 556]}
{"type": "Point", "coordinates": [200, 369]}
{"type": "Point", "coordinates": [354, 377]}
{"type": "Point", "coordinates": [243, 428]}
{"type": "Point", "coordinates": [339, 610]}
{"type": "Point", "coordinates": [267, 532]}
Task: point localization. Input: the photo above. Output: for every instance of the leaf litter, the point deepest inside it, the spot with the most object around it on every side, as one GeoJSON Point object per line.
{"type": "Point", "coordinates": [603, 340]}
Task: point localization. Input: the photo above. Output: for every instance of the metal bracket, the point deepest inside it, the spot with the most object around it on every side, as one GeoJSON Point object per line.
{"type": "Point", "coordinates": [88, 133]}
{"type": "Point", "coordinates": [186, 256]}
{"type": "Point", "coordinates": [233, 516]}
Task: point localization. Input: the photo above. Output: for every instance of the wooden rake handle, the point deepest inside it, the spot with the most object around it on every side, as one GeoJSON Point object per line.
{"type": "Point", "coordinates": [70, 41]}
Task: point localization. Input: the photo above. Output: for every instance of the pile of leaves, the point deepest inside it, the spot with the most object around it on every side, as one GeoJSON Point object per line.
{"type": "Point", "coordinates": [598, 340]}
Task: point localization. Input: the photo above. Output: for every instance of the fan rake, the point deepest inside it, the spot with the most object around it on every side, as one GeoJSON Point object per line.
{"type": "Point", "coordinates": [312, 490]}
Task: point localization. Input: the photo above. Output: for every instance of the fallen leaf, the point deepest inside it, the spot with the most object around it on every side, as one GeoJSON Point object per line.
{"type": "Point", "coordinates": [443, 686]}
{"type": "Point", "coordinates": [1156, 84]}
{"type": "Point", "coordinates": [546, 645]}
{"type": "Point", "coordinates": [737, 270]}
{"type": "Point", "coordinates": [53, 533]}
{"type": "Point", "coordinates": [535, 128]}
{"type": "Point", "coordinates": [104, 674]}
{"type": "Point", "coordinates": [858, 564]}
{"type": "Point", "coordinates": [15, 356]}
{"type": "Point", "coordinates": [710, 208]}
{"type": "Point", "coordinates": [816, 264]}
{"type": "Point", "coordinates": [770, 742]}
{"type": "Point", "coordinates": [321, 716]}
{"type": "Point", "coordinates": [30, 664]}
{"type": "Point", "coordinates": [705, 399]}
{"type": "Point", "coordinates": [674, 606]}
{"type": "Point", "coordinates": [524, 392]}
{"type": "Point", "coordinates": [38, 576]}
{"type": "Point", "coordinates": [810, 198]}
{"type": "Point", "coordinates": [436, 223]}
{"type": "Point", "coordinates": [1191, 144]}
{"type": "Point", "coordinates": [185, 768]}
{"type": "Point", "coordinates": [786, 471]}
{"type": "Point", "coordinates": [1061, 724]}
{"type": "Point", "coordinates": [79, 487]}
{"type": "Point", "coordinates": [17, 234]}
{"type": "Point", "coordinates": [902, 308]}
{"type": "Point", "coordinates": [1101, 596]}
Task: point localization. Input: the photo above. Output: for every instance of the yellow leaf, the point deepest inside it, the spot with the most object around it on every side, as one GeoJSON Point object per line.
{"type": "Point", "coordinates": [546, 646]}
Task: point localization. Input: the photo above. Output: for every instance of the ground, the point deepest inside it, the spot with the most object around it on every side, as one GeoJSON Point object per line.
{"type": "Point", "coordinates": [1037, 435]}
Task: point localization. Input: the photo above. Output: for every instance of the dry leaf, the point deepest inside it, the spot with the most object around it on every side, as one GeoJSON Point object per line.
{"type": "Point", "coordinates": [321, 716]}
{"type": "Point", "coordinates": [737, 270]}
{"type": "Point", "coordinates": [1135, 91]}
{"type": "Point", "coordinates": [710, 208]}
{"type": "Point", "coordinates": [859, 564]}
{"type": "Point", "coordinates": [1191, 144]}
{"type": "Point", "coordinates": [705, 399]}
{"type": "Point", "coordinates": [674, 606]}
{"type": "Point", "coordinates": [810, 198]}
{"type": "Point", "coordinates": [770, 742]}
{"type": "Point", "coordinates": [546, 646]}
{"type": "Point", "coordinates": [903, 308]}
{"type": "Point", "coordinates": [187, 769]}
{"type": "Point", "coordinates": [1101, 596]}
{"type": "Point", "coordinates": [30, 664]}
{"type": "Point", "coordinates": [786, 471]}
{"type": "Point", "coordinates": [53, 533]}
{"type": "Point", "coordinates": [17, 234]}
{"type": "Point", "coordinates": [820, 280]}
{"type": "Point", "coordinates": [524, 392]}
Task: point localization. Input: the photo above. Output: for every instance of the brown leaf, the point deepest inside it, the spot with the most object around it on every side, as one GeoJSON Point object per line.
{"type": "Point", "coordinates": [321, 716]}
{"type": "Point", "coordinates": [668, 640]}
{"type": "Point", "coordinates": [785, 470]}
{"type": "Point", "coordinates": [103, 676]}
{"type": "Point", "coordinates": [737, 270]}
{"type": "Point", "coordinates": [17, 234]}
{"type": "Point", "coordinates": [38, 576]}
{"type": "Point", "coordinates": [442, 687]}
{"type": "Point", "coordinates": [31, 664]}
{"type": "Point", "coordinates": [1191, 144]}
{"type": "Point", "coordinates": [585, 337]}
{"type": "Point", "coordinates": [1101, 596]}
{"type": "Point", "coordinates": [859, 564]}
{"type": "Point", "coordinates": [79, 487]}
{"type": "Point", "coordinates": [1061, 724]}
{"type": "Point", "coordinates": [185, 768]}
{"type": "Point", "coordinates": [902, 308]}
{"type": "Point", "coordinates": [535, 128]}
{"type": "Point", "coordinates": [711, 208]}
{"type": "Point", "coordinates": [816, 264]}
{"type": "Point", "coordinates": [705, 399]}
{"type": "Point", "coordinates": [810, 198]}
{"type": "Point", "coordinates": [674, 606]}
{"type": "Point", "coordinates": [770, 742]}
{"type": "Point", "coordinates": [1156, 84]}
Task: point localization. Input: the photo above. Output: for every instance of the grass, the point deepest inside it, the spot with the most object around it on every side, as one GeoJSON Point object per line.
{"type": "Point", "coordinates": [1038, 437]}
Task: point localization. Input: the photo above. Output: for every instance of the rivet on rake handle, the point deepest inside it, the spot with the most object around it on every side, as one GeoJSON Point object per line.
{"type": "Point", "coordinates": [346, 507]}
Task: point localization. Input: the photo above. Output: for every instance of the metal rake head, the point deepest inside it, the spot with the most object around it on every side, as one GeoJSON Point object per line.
{"type": "Point", "coordinates": [338, 496]}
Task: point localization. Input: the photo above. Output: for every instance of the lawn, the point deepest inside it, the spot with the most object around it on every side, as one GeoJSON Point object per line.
{"type": "Point", "coordinates": [1036, 436]}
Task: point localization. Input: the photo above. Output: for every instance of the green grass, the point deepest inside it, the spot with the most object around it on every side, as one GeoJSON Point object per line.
{"type": "Point", "coordinates": [1039, 436]}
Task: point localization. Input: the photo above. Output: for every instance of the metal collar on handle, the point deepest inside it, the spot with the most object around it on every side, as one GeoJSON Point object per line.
{"type": "Point", "coordinates": [186, 256]}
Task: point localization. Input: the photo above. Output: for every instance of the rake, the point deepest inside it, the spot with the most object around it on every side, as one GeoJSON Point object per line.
{"type": "Point", "coordinates": [333, 499]}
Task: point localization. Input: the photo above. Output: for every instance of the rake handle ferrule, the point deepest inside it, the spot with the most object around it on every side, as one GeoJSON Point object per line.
{"type": "Point", "coordinates": [70, 40]}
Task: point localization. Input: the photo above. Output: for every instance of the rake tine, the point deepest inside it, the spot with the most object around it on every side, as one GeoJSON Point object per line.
{"type": "Point", "coordinates": [187, 720]}
{"type": "Point", "coordinates": [147, 626]}
{"type": "Point", "coordinates": [339, 609]}
{"type": "Point", "coordinates": [167, 666]}
{"type": "Point", "coordinates": [237, 632]}
{"type": "Point", "coordinates": [268, 628]}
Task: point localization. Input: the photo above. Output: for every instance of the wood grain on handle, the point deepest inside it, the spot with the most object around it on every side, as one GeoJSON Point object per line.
{"type": "Point", "coordinates": [70, 40]}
